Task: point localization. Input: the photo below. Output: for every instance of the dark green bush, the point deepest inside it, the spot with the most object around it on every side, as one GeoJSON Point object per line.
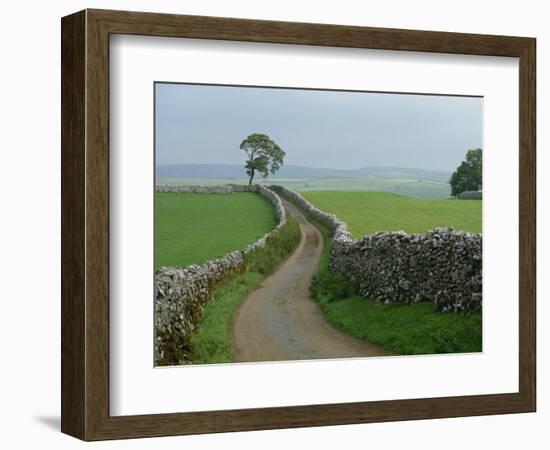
{"type": "Point", "coordinates": [332, 285]}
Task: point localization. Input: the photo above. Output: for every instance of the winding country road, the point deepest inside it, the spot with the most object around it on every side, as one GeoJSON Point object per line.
{"type": "Point", "coordinates": [280, 322]}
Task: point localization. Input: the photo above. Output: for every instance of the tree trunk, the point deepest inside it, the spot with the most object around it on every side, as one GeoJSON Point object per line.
{"type": "Point", "coordinates": [251, 178]}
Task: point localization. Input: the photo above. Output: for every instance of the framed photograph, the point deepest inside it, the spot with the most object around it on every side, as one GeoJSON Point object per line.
{"type": "Point", "coordinates": [272, 224]}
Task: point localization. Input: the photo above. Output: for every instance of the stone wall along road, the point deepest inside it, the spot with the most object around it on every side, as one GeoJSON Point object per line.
{"type": "Point", "coordinates": [442, 265]}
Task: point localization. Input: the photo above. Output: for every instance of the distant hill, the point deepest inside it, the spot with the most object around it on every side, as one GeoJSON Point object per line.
{"type": "Point", "coordinates": [405, 181]}
{"type": "Point", "coordinates": [226, 171]}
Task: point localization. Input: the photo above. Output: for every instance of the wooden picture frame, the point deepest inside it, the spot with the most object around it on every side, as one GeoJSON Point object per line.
{"type": "Point", "coordinates": [85, 224]}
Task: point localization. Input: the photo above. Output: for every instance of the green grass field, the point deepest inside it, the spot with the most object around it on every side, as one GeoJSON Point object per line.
{"type": "Point", "coordinates": [369, 212]}
{"type": "Point", "coordinates": [193, 228]}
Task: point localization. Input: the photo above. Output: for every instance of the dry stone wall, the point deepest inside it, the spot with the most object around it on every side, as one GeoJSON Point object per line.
{"type": "Point", "coordinates": [279, 212]}
{"type": "Point", "coordinates": [442, 265]}
{"type": "Point", "coordinates": [194, 189]}
{"type": "Point", "coordinates": [181, 293]}
{"type": "Point", "coordinates": [470, 195]}
{"type": "Point", "coordinates": [337, 227]}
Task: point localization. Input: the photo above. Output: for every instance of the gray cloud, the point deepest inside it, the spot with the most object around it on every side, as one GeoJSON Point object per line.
{"type": "Point", "coordinates": [198, 124]}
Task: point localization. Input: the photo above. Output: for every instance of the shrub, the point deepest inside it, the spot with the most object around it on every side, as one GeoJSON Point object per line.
{"type": "Point", "coordinates": [278, 246]}
{"type": "Point", "coordinates": [332, 286]}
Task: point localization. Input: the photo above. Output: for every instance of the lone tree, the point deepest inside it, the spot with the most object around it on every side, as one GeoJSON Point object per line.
{"type": "Point", "coordinates": [264, 155]}
{"type": "Point", "coordinates": [468, 176]}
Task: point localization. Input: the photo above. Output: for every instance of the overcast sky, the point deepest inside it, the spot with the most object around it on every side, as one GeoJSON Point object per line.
{"type": "Point", "coordinates": [198, 124]}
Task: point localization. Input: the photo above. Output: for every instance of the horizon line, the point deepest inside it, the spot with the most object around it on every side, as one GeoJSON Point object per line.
{"type": "Point", "coordinates": [308, 167]}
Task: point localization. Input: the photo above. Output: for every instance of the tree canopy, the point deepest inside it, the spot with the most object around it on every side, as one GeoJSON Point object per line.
{"type": "Point", "coordinates": [264, 155]}
{"type": "Point", "coordinates": [468, 176]}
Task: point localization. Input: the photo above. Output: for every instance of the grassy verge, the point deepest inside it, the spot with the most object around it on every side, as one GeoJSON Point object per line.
{"type": "Point", "coordinates": [212, 341]}
{"type": "Point", "coordinates": [406, 329]}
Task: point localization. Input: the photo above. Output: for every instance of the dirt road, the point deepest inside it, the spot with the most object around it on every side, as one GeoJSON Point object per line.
{"type": "Point", "coordinates": [279, 321]}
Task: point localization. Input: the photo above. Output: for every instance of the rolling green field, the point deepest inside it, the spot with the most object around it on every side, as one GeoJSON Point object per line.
{"type": "Point", "coordinates": [193, 228]}
{"type": "Point", "coordinates": [432, 187]}
{"type": "Point", "coordinates": [369, 212]}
